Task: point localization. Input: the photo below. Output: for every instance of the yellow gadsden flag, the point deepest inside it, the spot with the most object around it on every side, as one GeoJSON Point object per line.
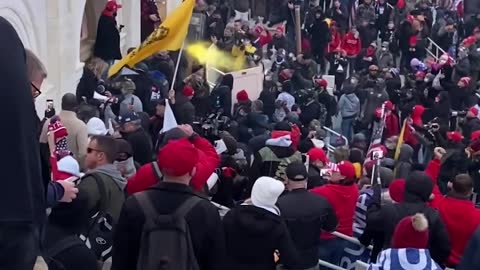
{"type": "Point", "coordinates": [169, 36]}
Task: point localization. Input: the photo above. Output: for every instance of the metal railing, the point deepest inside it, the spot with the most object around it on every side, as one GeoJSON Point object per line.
{"type": "Point", "coordinates": [434, 50]}
{"type": "Point", "coordinates": [359, 265]}
{"type": "Point", "coordinates": [330, 147]}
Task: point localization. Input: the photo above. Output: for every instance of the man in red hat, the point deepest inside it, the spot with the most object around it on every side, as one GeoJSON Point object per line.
{"type": "Point", "coordinates": [184, 109]}
{"type": "Point", "coordinates": [147, 176]}
{"type": "Point", "coordinates": [177, 161]}
{"type": "Point", "coordinates": [279, 41]}
{"type": "Point", "coordinates": [460, 225]}
{"type": "Point", "coordinates": [472, 123]}
{"type": "Point", "coordinates": [381, 223]}
{"type": "Point", "coordinates": [107, 44]}
{"type": "Point", "coordinates": [342, 193]}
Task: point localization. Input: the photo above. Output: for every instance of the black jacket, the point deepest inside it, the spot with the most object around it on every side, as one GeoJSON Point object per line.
{"type": "Point", "coordinates": [25, 200]}
{"type": "Point", "coordinates": [107, 44]}
{"type": "Point", "coordinates": [203, 221]}
{"type": "Point", "coordinates": [87, 85]}
{"type": "Point", "coordinates": [305, 213]}
{"type": "Point", "coordinates": [141, 145]}
{"type": "Point", "coordinates": [381, 225]}
{"type": "Point", "coordinates": [184, 110]}
{"type": "Point", "coordinates": [472, 124]}
{"type": "Point", "coordinates": [252, 235]}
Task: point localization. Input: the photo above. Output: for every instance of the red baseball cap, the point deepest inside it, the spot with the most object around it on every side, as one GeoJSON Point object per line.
{"type": "Point", "coordinates": [317, 154]}
{"type": "Point", "coordinates": [454, 136]}
{"type": "Point", "coordinates": [113, 5]}
{"type": "Point", "coordinates": [346, 169]}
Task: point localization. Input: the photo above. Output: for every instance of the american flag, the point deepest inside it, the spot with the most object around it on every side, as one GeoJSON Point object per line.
{"type": "Point", "coordinates": [377, 134]}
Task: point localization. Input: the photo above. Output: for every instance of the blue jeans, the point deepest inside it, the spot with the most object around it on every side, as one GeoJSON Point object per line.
{"type": "Point", "coordinates": [331, 251]}
{"type": "Point", "coordinates": [347, 127]}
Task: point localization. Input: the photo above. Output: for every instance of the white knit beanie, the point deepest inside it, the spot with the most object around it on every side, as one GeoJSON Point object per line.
{"type": "Point", "coordinates": [266, 191]}
{"type": "Point", "coordinates": [69, 165]}
{"type": "Point", "coordinates": [95, 126]}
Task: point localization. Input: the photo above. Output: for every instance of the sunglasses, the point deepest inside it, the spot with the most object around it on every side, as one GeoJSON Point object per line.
{"type": "Point", "coordinates": [37, 91]}
{"type": "Point", "coordinates": [90, 150]}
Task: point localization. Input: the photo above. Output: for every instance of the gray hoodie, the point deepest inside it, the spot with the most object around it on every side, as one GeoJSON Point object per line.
{"type": "Point", "coordinates": [112, 171]}
{"type": "Point", "coordinates": [349, 105]}
{"type": "Point", "coordinates": [404, 162]}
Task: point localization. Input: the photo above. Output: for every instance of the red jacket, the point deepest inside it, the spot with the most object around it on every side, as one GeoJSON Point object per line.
{"type": "Point", "coordinates": [264, 39]}
{"type": "Point", "coordinates": [416, 120]}
{"type": "Point", "coordinates": [460, 216]}
{"type": "Point", "coordinates": [433, 169]}
{"type": "Point", "coordinates": [461, 219]}
{"type": "Point", "coordinates": [208, 161]}
{"type": "Point", "coordinates": [343, 200]}
{"type": "Point", "coordinates": [351, 45]}
{"type": "Point", "coordinates": [392, 127]}
{"type": "Point", "coordinates": [335, 43]}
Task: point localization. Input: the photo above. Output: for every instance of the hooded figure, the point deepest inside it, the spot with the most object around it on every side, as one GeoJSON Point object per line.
{"type": "Point", "coordinates": [349, 106]}
{"type": "Point", "coordinates": [23, 206]}
{"type": "Point", "coordinates": [255, 230]}
{"type": "Point", "coordinates": [410, 240]}
{"type": "Point", "coordinates": [107, 44]}
{"type": "Point", "coordinates": [381, 221]}
{"type": "Point", "coordinates": [222, 95]}
{"type": "Point", "coordinates": [404, 162]}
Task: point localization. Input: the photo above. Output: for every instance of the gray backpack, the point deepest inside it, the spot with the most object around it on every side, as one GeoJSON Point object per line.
{"type": "Point", "coordinates": [165, 242]}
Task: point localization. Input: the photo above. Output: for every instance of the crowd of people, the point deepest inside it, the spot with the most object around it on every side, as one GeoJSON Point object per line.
{"type": "Point", "coordinates": [138, 171]}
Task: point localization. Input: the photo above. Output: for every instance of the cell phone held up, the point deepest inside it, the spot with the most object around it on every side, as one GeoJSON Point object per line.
{"type": "Point", "coordinates": [49, 106]}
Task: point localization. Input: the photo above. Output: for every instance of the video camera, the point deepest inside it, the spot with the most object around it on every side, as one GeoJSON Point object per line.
{"type": "Point", "coordinates": [211, 126]}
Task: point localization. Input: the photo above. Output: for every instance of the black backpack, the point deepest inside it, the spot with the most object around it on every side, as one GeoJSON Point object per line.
{"type": "Point", "coordinates": [98, 236]}
{"type": "Point", "coordinates": [166, 243]}
{"type": "Point", "coordinates": [59, 247]}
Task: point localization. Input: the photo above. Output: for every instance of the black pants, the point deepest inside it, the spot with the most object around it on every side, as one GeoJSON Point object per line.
{"type": "Point", "coordinates": [18, 246]}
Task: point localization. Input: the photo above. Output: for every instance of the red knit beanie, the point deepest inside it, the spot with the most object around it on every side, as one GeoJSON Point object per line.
{"type": "Point", "coordinates": [177, 158]}
{"type": "Point", "coordinates": [411, 232]}
{"type": "Point", "coordinates": [188, 91]}
{"type": "Point", "coordinates": [396, 189]}
{"type": "Point", "coordinates": [242, 96]}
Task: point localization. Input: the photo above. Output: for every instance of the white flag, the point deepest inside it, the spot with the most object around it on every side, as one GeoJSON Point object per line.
{"type": "Point", "coordinates": [169, 120]}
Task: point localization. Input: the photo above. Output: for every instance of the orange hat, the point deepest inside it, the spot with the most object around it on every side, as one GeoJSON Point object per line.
{"type": "Point", "coordinates": [177, 158]}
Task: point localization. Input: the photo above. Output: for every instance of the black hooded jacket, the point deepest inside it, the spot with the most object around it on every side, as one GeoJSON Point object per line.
{"type": "Point", "coordinates": [222, 95]}
{"type": "Point", "coordinates": [381, 221]}
{"type": "Point", "coordinates": [24, 201]}
{"type": "Point", "coordinates": [107, 45]}
{"type": "Point", "coordinates": [252, 235]}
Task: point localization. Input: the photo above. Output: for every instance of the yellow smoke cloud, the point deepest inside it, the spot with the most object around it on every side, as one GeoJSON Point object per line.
{"type": "Point", "coordinates": [204, 53]}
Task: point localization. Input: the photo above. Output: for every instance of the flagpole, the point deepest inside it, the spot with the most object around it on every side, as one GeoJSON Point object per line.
{"type": "Point", "coordinates": [177, 65]}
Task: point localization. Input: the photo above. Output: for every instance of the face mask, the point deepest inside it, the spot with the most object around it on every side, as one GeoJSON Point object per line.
{"type": "Point", "coordinates": [384, 49]}
{"type": "Point", "coordinates": [390, 26]}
